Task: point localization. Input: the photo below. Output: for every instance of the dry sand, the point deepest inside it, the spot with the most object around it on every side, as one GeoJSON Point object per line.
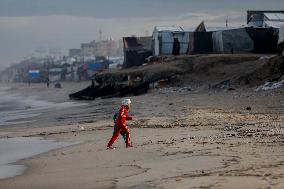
{"type": "Point", "coordinates": [187, 139]}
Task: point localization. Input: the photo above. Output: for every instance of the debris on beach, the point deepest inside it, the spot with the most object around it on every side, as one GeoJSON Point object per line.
{"type": "Point", "coordinates": [109, 91]}
{"type": "Point", "coordinates": [58, 85]}
{"type": "Point", "coordinates": [271, 85]}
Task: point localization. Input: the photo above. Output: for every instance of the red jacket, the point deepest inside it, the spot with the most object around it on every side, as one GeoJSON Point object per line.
{"type": "Point", "coordinates": [122, 116]}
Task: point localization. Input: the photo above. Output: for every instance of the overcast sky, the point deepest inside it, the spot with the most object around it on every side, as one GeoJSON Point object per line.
{"type": "Point", "coordinates": [26, 25]}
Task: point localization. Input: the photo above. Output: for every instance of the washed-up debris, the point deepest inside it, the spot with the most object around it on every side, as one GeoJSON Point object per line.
{"type": "Point", "coordinates": [109, 91]}
{"type": "Point", "coordinates": [222, 85]}
{"type": "Point", "coordinates": [248, 108]}
{"type": "Point", "coordinates": [58, 85]}
{"type": "Point", "coordinates": [271, 85]}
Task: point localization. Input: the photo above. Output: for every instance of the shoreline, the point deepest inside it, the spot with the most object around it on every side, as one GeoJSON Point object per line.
{"type": "Point", "coordinates": [181, 139]}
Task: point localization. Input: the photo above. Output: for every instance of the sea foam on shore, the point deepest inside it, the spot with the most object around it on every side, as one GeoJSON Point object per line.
{"type": "Point", "coordinates": [16, 109]}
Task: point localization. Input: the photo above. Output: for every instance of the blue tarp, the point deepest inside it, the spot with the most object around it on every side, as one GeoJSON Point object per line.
{"type": "Point", "coordinates": [95, 66]}
{"type": "Point", "coordinates": [33, 74]}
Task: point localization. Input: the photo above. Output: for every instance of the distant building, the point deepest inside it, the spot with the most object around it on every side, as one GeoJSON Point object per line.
{"type": "Point", "coordinates": [120, 48]}
{"type": "Point", "coordinates": [99, 48]}
{"type": "Point", "coordinates": [74, 52]}
{"type": "Point", "coordinates": [87, 49]}
{"type": "Point", "coordinates": [105, 48]}
{"type": "Point", "coordinates": [265, 18]}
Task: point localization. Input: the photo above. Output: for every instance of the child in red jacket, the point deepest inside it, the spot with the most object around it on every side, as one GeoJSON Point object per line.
{"type": "Point", "coordinates": [120, 123]}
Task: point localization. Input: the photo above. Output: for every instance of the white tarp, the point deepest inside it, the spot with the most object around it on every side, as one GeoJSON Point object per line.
{"type": "Point", "coordinates": [274, 16]}
{"type": "Point", "coordinates": [281, 34]}
{"type": "Point", "coordinates": [217, 41]}
{"type": "Point", "coordinates": [273, 24]}
{"type": "Point", "coordinates": [167, 41]}
{"type": "Point", "coordinates": [55, 70]}
{"type": "Point", "coordinates": [273, 20]}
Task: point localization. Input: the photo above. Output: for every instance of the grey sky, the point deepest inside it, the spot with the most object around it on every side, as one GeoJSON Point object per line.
{"type": "Point", "coordinates": [28, 24]}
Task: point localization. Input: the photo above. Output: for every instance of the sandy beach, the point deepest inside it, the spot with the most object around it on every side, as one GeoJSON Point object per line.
{"type": "Point", "coordinates": [182, 139]}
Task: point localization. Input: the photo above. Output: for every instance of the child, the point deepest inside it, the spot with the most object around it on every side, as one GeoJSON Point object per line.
{"type": "Point", "coordinates": [123, 134]}
{"type": "Point", "coordinates": [120, 124]}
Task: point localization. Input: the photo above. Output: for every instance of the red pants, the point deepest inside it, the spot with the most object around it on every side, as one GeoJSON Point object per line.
{"type": "Point", "coordinates": [117, 133]}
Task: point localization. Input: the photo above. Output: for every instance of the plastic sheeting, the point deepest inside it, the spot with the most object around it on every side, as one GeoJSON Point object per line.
{"type": "Point", "coordinates": [236, 40]}
{"type": "Point", "coordinates": [135, 57]}
{"type": "Point", "coordinates": [33, 74]}
{"type": "Point", "coordinates": [167, 41]}
{"type": "Point", "coordinates": [200, 42]}
{"type": "Point", "coordinates": [281, 34]}
{"type": "Point", "coordinates": [163, 40]}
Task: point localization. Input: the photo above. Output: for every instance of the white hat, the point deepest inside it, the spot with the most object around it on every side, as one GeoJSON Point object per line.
{"type": "Point", "coordinates": [126, 102]}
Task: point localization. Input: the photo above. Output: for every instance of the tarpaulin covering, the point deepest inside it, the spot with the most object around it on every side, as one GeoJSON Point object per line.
{"type": "Point", "coordinates": [236, 40]}
{"type": "Point", "coordinates": [95, 66]}
{"type": "Point", "coordinates": [163, 39]}
{"type": "Point", "coordinates": [33, 74]}
{"type": "Point", "coordinates": [167, 41]}
{"type": "Point", "coordinates": [131, 42]}
{"type": "Point", "coordinates": [135, 57]}
{"type": "Point", "coordinates": [200, 42]}
{"type": "Point", "coordinates": [265, 39]}
{"type": "Point", "coordinates": [281, 34]}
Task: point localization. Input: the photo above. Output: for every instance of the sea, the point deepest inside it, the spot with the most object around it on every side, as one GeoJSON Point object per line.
{"type": "Point", "coordinates": [14, 110]}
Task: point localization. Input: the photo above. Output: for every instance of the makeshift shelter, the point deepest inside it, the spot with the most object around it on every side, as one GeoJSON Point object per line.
{"type": "Point", "coordinates": [165, 38]}
{"type": "Point", "coordinates": [264, 39]}
{"type": "Point", "coordinates": [136, 50]}
{"type": "Point", "coordinates": [233, 40]}
{"type": "Point", "coordinates": [200, 42]}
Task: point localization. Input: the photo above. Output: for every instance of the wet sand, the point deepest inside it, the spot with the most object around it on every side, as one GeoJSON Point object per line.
{"type": "Point", "coordinates": [17, 148]}
{"type": "Point", "coordinates": [182, 139]}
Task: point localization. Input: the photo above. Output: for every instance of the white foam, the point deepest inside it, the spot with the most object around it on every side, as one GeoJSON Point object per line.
{"type": "Point", "coordinates": [15, 107]}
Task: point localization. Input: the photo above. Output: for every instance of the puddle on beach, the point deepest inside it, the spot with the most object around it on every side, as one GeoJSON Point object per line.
{"type": "Point", "coordinates": [15, 149]}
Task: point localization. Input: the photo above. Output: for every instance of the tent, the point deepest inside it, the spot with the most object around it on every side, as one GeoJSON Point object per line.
{"type": "Point", "coordinates": [164, 37]}
{"type": "Point", "coordinates": [233, 40]}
